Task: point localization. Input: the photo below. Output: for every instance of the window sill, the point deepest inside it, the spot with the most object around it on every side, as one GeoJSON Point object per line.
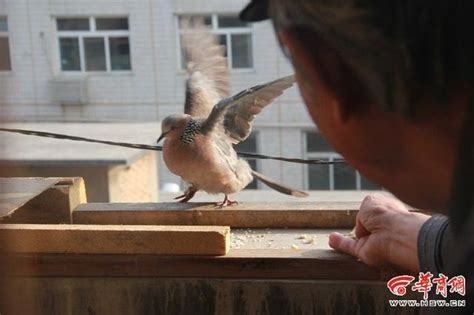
{"type": "Point", "coordinates": [96, 74]}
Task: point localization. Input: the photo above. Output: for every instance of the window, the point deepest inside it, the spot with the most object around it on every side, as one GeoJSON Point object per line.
{"type": "Point", "coordinates": [249, 146]}
{"type": "Point", "coordinates": [234, 35]}
{"type": "Point", "coordinates": [94, 44]}
{"type": "Point", "coordinates": [335, 176]}
{"type": "Point", "coordinates": [5, 63]}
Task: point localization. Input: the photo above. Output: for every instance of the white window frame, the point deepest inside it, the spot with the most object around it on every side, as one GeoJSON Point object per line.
{"type": "Point", "coordinates": [5, 34]}
{"type": "Point", "coordinates": [326, 155]}
{"type": "Point", "coordinates": [227, 31]}
{"type": "Point", "coordinates": [93, 32]}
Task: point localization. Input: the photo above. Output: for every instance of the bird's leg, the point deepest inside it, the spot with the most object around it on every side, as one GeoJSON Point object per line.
{"type": "Point", "coordinates": [181, 196]}
{"type": "Point", "coordinates": [188, 195]}
{"type": "Point", "coordinates": [227, 202]}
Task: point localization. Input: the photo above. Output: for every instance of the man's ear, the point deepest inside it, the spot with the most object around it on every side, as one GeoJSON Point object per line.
{"type": "Point", "coordinates": [317, 64]}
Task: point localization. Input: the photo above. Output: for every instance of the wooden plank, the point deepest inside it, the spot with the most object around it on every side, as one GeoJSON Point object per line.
{"type": "Point", "coordinates": [246, 215]}
{"type": "Point", "coordinates": [265, 239]}
{"type": "Point", "coordinates": [15, 192]}
{"type": "Point", "coordinates": [110, 239]}
{"type": "Point", "coordinates": [259, 264]}
{"type": "Point", "coordinates": [52, 205]}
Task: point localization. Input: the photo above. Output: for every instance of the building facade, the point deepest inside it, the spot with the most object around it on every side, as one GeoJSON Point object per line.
{"type": "Point", "coordinates": [116, 60]}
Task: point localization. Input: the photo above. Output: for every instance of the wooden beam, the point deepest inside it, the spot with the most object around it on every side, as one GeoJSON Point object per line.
{"type": "Point", "coordinates": [15, 192]}
{"type": "Point", "coordinates": [110, 239]}
{"type": "Point", "coordinates": [248, 215]}
{"type": "Point", "coordinates": [258, 264]}
{"type": "Point", "coordinates": [51, 200]}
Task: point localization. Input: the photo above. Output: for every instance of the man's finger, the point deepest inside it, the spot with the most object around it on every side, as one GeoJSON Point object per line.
{"type": "Point", "coordinates": [343, 244]}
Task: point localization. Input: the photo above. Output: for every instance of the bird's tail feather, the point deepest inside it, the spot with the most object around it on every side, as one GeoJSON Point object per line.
{"type": "Point", "coordinates": [279, 187]}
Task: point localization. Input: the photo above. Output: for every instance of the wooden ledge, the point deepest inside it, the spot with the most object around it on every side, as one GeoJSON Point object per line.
{"type": "Point", "coordinates": [259, 264]}
{"type": "Point", "coordinates": [251, 215]}
{"type": "Point", "coordinates": [40, 200]}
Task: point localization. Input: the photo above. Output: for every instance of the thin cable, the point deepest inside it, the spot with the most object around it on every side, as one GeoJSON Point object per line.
{"type": "Point", "coordinates": [246, 155]}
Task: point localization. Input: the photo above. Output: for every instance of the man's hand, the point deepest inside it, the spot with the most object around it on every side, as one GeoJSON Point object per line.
{"type": "Point", "coordinates": [386, 233]}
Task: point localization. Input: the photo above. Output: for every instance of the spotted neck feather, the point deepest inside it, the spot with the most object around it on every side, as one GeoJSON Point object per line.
{"type": "Point", "coordinates": [190, 131]}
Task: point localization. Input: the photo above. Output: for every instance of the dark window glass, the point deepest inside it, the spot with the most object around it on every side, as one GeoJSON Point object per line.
{"type": "Point", "coordinates": [318, 178]}
{"type": "Point", "coordinates": [344, 177]}
{"type": "Point", "coordinates": [184, 58]}
{"type": "Point", "coordinates": [249, 145]}
{"type": "Point", "coordinates": [81, 24]}
{"type": "Point", "coordinates": [241, 51]}
{"type": "Point", "coordinates": [365, 184]}
{"type": "Point", "coordinates": [3, 24]}
{"type": "Point", "coordinates": [95, 54]}
{"type": "Point", "coordinates": [316, 143]}
{"type": "Point", "coordinates": [5, 63]}
{"type": "Point", "coordinates": [120, 53]}
{"type": "Point", "coordinates": [230, 21]}
{"type": "Point", "coordinates": [223, 42]}
{"type": "Point", "coordinates": [69, 51]}
{"type": "Point", "coordinates": [111, 24]}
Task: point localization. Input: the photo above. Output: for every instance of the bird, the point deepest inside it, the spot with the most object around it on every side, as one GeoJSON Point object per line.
{"type": "Point", "coordinates": [198, 144]}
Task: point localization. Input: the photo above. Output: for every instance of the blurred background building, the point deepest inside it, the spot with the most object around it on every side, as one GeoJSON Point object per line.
{"type": "Point", "coordinates": [99, 61]}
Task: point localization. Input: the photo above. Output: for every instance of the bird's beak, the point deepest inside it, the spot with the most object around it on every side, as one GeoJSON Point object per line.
{"type": "Point", "coordinates": [163, 135]}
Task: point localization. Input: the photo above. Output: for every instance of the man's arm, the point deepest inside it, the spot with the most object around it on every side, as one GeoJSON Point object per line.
{"type": "Point", "coordinates": [435, 241]}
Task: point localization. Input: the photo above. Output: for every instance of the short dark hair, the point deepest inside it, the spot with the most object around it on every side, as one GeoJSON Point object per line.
{"type": "Point", "coordinates": [397, 50]}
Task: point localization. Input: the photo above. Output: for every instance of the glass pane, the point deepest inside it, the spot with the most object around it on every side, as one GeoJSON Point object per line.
{"type": "Point", "coordinates": [69, 52]}
{"type": "Point", "coordinates": [183, 56]}
{"type": "Point", "coordinates": [3, 24]}
{"type": "Point", "coordinates": [344, 177]}
{"type": "Point", "coordinates": [249, 145]}
{"type": "Point", "coordinates": [230, 21]}
{"type": "Point", "coordinates": [81, 24]}
{"type": "Point", "coordinates": [365, 184]}
{"type": "Point", "coordinates": [120, 53]}
{"type": "Point", "coordinates": [316, 143]}
{"type": "Point", "coordinates": [111, 24]}
{"type": "Point", "coordinates": [223, 42]}
{"type": "Point", "coordinates": [206, 18]}
{"type": "Point", "coordinates": [5, 64]}
{"type": "Point", "coordinates": [241, 51]}
{"type": "Point", "coordinates": [318, 178]}
{"type": "Point", "coordinates": [253, 184]}
{"type": "Point", "coordinates": [95, 54]}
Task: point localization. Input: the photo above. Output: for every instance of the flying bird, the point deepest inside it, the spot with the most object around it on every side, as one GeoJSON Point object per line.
{"type": "Point", "coordinates": [198, 144]}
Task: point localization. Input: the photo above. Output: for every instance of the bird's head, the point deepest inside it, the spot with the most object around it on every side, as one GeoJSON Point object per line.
{"type": "Point", "coordinates": [173, 126]}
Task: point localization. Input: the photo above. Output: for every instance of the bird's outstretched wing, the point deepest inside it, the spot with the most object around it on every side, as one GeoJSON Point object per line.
{"type": "Point", "coordinates": [208, 72]}
{"type": "Point", "coordinates": [236, 113]}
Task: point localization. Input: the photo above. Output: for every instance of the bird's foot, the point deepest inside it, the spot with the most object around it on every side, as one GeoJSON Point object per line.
{"type": "Point", "coordinates": [188, 195]}
{"type": "Point", "coordinates": [227, 202]}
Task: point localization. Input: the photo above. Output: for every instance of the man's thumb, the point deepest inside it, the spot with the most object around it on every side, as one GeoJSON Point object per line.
{"type": "Point", "coordinates": [343, 244]}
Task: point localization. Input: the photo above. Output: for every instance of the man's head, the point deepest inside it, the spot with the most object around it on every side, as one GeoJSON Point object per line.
{"type": "Point", "coordinates": [387, 83]}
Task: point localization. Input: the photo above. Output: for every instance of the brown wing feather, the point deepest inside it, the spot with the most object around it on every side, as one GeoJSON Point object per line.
{"type": "Point", "coordinates": [208, 73]}
{"type": "Point", "coordinates": [237, 113]}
